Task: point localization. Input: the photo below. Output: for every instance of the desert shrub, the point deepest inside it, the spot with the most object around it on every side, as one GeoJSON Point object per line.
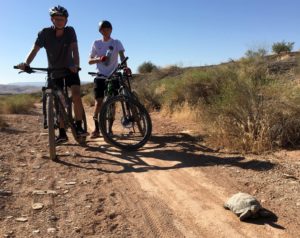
{"type": "Point", "coordinates": [146, 67]}
{"type": "Point", "coordinates": [240, 104]}
{"type": "Point", "coordinates": [17, 104]}
{"type": "Point", "coordinates": [261, 52]}
{"type": "Point", "coordinates": [255, 113]}
{"type": "Point", "coordinates": [2, 123]}
{"type": "Point", "coordinates": [283, 46]}
{"type": "Point", "coordinates": [89, 99]}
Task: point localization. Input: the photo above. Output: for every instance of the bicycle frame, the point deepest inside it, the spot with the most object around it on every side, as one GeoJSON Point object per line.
{"type": "Point", "coordinates": [57, 108]}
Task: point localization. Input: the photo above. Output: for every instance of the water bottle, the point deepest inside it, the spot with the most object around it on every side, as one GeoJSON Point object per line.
{"type": "Point", "coordinates": [108, 54]}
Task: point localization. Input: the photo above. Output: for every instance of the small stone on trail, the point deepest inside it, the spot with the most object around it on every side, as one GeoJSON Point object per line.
{"type": "Point", "coordinates": [51, 230]}
{"type": "Point", "coordinates": [70, 183]}
{"type": "Point", "coordinates": [22, 219]}
{"type": "Point", "coordinates": [37, 206]}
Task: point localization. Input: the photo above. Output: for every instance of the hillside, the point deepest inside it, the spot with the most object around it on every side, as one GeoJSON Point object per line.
{"type": "Point", "coordinates": [16, 89]}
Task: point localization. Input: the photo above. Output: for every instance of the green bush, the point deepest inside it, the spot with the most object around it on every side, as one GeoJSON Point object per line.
{"type": "Point", "coordinates": [283, 46]}
{"type": "Point", "coordinates": [146, 67]}
{"type": "Point", "coordinates": [261, 52]}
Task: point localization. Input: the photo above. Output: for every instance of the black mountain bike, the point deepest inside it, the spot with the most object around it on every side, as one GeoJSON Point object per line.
{"type": "Point", "coordinates": [123, 120]}
{"type": "Point", "coordinates": [57, 105]}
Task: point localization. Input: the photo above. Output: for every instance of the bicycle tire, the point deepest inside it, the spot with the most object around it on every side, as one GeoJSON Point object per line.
{"type": "Point", "coordinates": [51, 130]}
{"type": "Point", "coordinates": [135, 111]}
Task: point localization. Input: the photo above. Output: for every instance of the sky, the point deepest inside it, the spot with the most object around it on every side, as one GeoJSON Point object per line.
{"type": "Point", "coordinates": [183, 33]}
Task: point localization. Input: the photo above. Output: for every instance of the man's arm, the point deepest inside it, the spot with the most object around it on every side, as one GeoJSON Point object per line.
{"type": "Point", "coordinates": [32, 54]}
{"type": "Point", "coordinates": [75, 53]}
{"type": "Point", "coordinates": [29, 57]}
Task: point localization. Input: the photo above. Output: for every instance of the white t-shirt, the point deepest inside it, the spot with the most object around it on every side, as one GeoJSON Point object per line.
{"type": "Point", "coordinates": [100, 48]}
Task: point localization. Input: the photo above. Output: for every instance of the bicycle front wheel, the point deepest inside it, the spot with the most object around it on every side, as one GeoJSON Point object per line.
{"type": "Point", "coordinates": [125, 123]}
{"type": "Point", "coordinates": [51, 131]}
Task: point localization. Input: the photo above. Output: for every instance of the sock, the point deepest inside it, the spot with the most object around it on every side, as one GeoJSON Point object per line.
{"type": "Point", "coordinates": [78, 124]}
{"type": "Point", "coordinates": [62, 132]}
{"type": "Point", "coordinates": [96, 124]}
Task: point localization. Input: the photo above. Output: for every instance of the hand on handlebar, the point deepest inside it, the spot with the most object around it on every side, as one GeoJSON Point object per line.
{"type": "Point", "coordinates": [23, 66]}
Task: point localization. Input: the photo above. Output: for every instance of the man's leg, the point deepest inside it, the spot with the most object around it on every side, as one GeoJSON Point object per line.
{"type": "Point", "coordinates": [78, 106]}
{"type": "Point", "coordinates": [62, 136]}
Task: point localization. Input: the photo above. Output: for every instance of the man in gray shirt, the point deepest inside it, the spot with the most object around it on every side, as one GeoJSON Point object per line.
{"type": "Point", "coordinates": [60, 42]}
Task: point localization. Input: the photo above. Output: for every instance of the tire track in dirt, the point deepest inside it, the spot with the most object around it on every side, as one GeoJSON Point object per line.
{"type": "Point", "coordinates": [158, 191]}
{"type": "Point", "coordinates": [192, 202]}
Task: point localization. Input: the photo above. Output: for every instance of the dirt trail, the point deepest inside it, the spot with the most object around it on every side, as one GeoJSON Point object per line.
{"type": "Point", "coordinates": [174, 187]}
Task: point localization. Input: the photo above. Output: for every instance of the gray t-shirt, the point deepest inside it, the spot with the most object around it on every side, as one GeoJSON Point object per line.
{"type": "Point", "coordinates": [58, 49]}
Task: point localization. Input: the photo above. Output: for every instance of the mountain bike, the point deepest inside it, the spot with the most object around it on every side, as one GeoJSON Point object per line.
{"type": "Point", "coordinates": [57, 105]}
{"type": "Point", "coordinates": [123, 120]}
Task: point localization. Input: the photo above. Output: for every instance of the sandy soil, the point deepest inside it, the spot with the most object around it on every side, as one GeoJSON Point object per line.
{"type": "Point", "coordinates": [173, 187]}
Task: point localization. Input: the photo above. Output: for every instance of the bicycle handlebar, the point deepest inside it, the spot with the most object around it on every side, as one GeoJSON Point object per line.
{"type": "Point", "coordinates": [30, 70]}
{"type": "Point", "coordinates": [120, 66]}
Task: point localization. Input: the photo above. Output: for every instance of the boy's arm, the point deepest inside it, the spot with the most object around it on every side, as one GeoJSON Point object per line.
{"type": "Point", "coordinates": [122, 56]}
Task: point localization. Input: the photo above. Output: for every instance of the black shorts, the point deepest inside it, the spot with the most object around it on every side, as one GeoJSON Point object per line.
{"type": "Point", "coordinates": [71, 79]}
{"type": "Point", "coordinates": [100, 86]}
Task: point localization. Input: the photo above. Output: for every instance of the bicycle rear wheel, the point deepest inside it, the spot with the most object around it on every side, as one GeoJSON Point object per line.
{"type": "Point", "coordinates": [51, 131]}
{"type": "Point", "coordinates": [125, 123]}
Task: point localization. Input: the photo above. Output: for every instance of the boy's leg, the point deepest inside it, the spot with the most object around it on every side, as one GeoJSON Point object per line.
{"type": "Point", "coordinates": [99, 87]}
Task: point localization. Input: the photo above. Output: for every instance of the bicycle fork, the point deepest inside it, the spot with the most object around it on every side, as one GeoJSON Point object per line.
{"type": "Point", "coordinates": [45, 95]}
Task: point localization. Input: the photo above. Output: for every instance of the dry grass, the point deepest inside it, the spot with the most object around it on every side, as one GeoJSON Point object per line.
{"type": "Point", "coordinates": [89, 99]}
{"type": "Point", "coordinates": [241, 105]}
{"type": "Point", "coordinates": [17, 104]}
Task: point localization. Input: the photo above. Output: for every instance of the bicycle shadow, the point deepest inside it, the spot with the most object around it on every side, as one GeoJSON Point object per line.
{"type": "Point", "coordinates": [164, 152]}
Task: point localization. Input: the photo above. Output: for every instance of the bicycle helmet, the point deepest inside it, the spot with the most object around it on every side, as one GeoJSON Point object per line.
{"type": "Point", "coordinates": [104, 24]}
{"type": "Point", "coordinates": [58, 11]}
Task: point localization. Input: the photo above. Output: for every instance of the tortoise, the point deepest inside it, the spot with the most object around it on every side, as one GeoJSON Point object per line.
{"type": "Point", "coordinates": [245, 206]}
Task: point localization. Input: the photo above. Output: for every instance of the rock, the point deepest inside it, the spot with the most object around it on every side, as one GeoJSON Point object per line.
{"type": "Point", "coordinates": [70, 183]}
{"type": "Point", "coordinates": [5, 193]}
{"type": "Point", "coordinates": [37, 206]}
{"type": "Point", "coordinates": [22, 219]}
{"type": "Point", "coordinates": [53, 218]}
{"type": "Point", "coordinates": [43, 192]}
{"type": "Point", "coordinates": [51, 230]}
{"type": "Point", "coordinates": [288, 176]}
{"type": "Point", "coordinates": [36, 231]}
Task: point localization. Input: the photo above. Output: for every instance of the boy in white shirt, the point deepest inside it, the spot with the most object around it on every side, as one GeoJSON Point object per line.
{"type": "Point", "coordinates": [105, 54]}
